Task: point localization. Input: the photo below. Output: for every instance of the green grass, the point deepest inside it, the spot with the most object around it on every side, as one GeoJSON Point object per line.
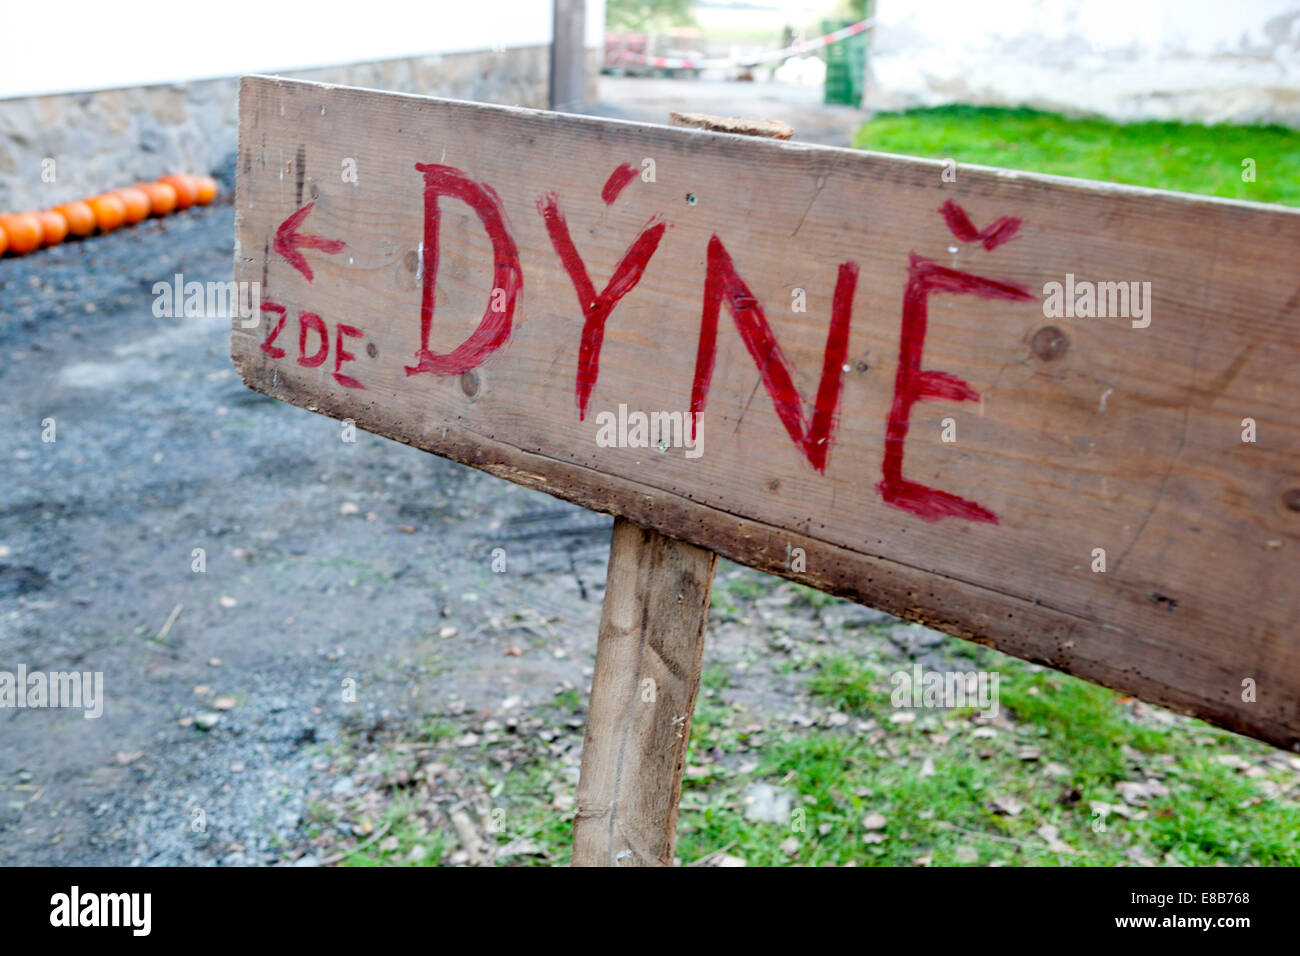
{"type": "Point", "coordinates": [939, 780]}
{"type": "Point", "coordinates": [845, 683]}
{"type": "Point", "coordinates": [1185, 157]}
{"type": "Point", "coordinates": [400, 817]}
{"type": "Point", "coordinates": [935, 783]}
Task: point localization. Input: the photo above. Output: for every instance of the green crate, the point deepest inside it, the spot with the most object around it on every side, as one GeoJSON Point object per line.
{"type": "Point", "coordinates": [846, 65]}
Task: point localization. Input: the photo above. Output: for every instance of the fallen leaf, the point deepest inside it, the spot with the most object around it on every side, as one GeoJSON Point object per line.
{"type": "Point", "coordinates": [1008, 805]}
{"type": "Point", "coordinates": [1052, 835]}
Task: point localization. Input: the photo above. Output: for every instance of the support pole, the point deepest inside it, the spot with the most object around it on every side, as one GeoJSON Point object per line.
{"type": "Point", "coordinates": [568, 86]}
{"type": "Point", "coordinates": [648, 660]}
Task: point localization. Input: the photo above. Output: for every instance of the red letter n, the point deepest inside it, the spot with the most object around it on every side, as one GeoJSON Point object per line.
{"type": "Point", "coordinates": [723, 284]}
{"type": "Point", "coordinates": [912, 385]}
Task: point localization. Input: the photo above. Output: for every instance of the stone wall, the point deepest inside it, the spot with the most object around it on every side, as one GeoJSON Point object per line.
{"type": "Point", "coordinates": [57, 148]}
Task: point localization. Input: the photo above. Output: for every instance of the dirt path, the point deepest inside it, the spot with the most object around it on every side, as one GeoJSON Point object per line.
{"type": "Point", "coordinates": [325, 563]}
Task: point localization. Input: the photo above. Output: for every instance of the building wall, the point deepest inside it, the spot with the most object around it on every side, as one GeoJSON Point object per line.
{"type": "Point", "coordinates": [1199, 60]}
{"type": "Point", "coordinates": [97, 138]}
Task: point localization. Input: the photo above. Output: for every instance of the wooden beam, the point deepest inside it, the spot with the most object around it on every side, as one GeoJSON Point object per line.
{"type": "Point", "coordinates": [1117, 438]}
{"type": "Point", "coordinates": [646, 678]}
{"type": "Point", "coordinates": [568, 84]}
{"type": "Point", "coordinates": [654, 618]}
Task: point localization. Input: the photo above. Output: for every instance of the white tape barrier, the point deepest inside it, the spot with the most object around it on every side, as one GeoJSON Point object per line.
{"type": "Point", "coordinates": [684, 63]}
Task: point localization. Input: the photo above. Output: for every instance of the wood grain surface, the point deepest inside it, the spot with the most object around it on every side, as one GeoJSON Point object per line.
{"type": "Point", "coordinates": [823, 454]}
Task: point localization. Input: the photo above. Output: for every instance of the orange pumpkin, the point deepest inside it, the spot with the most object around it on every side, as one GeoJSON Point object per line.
{"type": "Point", "coordinates": [162, 197]}
{"type": "Point", "coordinates": [207, 189]}
{"type": "Point", "coordinates": [136, 203]}
{"type": "Point", "coordinates": [109, 210]}
{"type": "Point", "coordinates": [80, 217]}
{"type": "Point", "coordinates": [187, 191]}
{"type": "Point", "coordinates": [23, 230]}
{"type": "Point", "coordinates": [54, 227]}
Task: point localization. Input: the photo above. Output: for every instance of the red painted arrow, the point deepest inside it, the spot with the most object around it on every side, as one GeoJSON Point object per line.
{"type": "Point", "coordinates": [288, 241]}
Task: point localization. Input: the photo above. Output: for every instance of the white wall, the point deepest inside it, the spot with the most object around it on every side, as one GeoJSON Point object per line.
{"type": "Point", "coordinates": [1207, 60]}
{"type": "Point", "coordinates": [54, 46]}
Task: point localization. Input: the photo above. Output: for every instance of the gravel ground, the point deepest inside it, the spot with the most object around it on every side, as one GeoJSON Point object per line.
{"type": "Point", "coordinates": [328, 565]}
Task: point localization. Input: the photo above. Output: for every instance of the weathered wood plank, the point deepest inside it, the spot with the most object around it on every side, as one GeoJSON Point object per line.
{"type": "Point", "coordinates": [1089, 433]}
{"type": "Point", "coordinates": [648, 662]}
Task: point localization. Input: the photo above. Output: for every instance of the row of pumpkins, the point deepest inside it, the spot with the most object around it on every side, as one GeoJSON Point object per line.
{"type": "Point", "coordinates": [24, 232]}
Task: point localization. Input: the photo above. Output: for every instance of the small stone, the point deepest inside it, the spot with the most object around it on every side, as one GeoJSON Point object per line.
{"type": "Point", "coordinates": [1008, 806]}
{"type": "Point", "coordinates": [765, 803]}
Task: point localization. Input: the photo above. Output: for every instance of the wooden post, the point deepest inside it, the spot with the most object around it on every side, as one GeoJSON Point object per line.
{"type": "Point", "coordinates": [568, 86]}
{"type": "Point", "coordinates": [648, 660]}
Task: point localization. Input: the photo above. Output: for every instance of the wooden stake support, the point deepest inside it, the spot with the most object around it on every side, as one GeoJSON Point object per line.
{"type": "Point", "coordinates": [648, 661]}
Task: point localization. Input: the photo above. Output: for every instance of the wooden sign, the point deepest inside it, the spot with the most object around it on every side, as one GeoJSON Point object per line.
{"type": "Point", "coordinates": [1052, 416]}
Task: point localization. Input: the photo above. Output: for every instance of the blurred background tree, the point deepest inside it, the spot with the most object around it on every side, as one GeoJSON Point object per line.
{"type": "Point", "coordinates": [647, 16]}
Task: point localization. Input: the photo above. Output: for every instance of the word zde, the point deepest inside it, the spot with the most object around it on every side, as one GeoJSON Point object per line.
{"type": "Point", "coordinates": [723, 287]}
